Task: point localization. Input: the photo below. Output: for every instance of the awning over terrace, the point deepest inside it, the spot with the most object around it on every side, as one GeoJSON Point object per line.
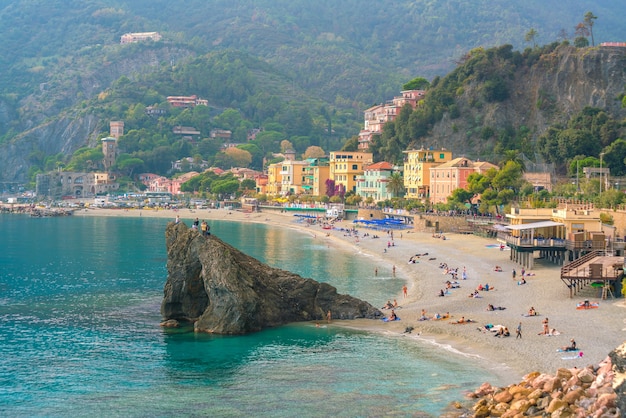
{"type": "Point", "coordinates": [533, 225]}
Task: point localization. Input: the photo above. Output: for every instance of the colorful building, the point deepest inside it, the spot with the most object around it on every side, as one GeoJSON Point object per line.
{"type": "Point", "coordinates": [293, 177]}
{"type": "Point", "coordinates": [346, 166]}
{"type": "Point", "coordinates": [316, 175]}
{"type": "Point", "coordinates": [376, 116]}
{"type": "Point", "coordinates": [373, 183]}
{"type": "Point", "coordinates": [417, 165]}
{"type": "Point", "coordinates": [447, 177]}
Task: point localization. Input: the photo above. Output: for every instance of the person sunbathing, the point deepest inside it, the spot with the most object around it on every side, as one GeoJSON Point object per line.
{"type": "Point", "coordinates": [571, 347]}
{"type": "Point", "coordinates": [532, 311]}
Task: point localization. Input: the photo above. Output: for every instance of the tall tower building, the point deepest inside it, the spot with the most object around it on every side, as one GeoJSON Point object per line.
{"type": "Point", "coordinates": [109, 149]}
{"type": "Point", "coordinates": [116, 129]}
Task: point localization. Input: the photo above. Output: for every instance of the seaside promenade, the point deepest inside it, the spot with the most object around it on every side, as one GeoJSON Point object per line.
{"type": "Point", "coordinates": [596, 331]}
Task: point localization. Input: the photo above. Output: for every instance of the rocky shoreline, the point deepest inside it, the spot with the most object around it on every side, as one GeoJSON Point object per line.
{"type": "Point", "coordinates": [593, 391]}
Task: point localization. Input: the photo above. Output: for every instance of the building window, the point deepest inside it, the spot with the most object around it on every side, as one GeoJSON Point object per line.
{"type": "Point", "coordinates": [355, 167]}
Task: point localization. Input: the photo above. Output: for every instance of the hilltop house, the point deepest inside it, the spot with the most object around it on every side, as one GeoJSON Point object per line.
{"type": "Point", "coordinates": [129, 38]}
{"type": "Point", "coordinates": [376, 116]}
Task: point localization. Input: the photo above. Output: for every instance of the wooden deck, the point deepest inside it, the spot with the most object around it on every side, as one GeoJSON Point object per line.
{"type": "Point", "coordinates": [592, 268]}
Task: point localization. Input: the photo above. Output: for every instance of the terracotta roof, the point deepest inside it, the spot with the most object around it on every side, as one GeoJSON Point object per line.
{"type": "Point", "coordinates": [383, 165]}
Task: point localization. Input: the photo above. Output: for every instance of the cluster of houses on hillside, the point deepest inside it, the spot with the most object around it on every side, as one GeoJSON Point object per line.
{"type": "Point", "coordinates": [430, 175]}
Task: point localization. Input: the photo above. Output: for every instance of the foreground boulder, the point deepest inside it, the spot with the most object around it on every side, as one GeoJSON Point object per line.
{"type": "Point", "coordinates": [225, 291]}
{"type": "Point", "coordinates": [594, 391]}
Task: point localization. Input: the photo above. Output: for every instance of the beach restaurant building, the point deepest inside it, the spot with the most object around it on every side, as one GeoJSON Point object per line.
{"type": "Point", "coordinates": [559, 235]}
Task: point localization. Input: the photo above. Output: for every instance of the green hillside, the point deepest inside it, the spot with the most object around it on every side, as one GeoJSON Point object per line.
{"type": "Point", "coordinates": [320, 63]}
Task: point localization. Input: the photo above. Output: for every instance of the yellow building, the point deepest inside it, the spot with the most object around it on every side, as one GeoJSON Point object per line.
{"type": "Point", "coordinates": [346, 166]}
{"type": "Point", "coordinates": [293, 177]}
{"type": "Point", "coordinates": [316, 175]}
{"type": "Point", "coordinates": [417, 165]}
{"type": "Point", "coordinates": [274, 179]}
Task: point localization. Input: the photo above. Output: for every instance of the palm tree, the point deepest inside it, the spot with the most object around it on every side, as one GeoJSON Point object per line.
{"type": "Point", "coordinates": [395, 184]}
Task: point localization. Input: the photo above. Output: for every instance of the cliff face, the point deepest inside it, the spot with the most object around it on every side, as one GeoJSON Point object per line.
{"type": "Point", "coordinates": [228, 292]}
{"type": "Point", "coordinates": [550, 91]}
{"type": "Point", "coordinates": [49, 124]}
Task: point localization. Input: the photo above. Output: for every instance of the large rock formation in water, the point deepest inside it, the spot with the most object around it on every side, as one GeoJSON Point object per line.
{"type": "Point", "coordinates": [227, 292]}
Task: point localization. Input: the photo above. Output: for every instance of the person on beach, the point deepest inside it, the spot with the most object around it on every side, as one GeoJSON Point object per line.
{"type": "Point", "coordinates": [532, 311]}
{"type": "Point", "coordinates": [518, 331]}
{"type": "Point", "coordinates": [329, 316]}
{"type": "Point", "coordinates": [394, 270]}
{"type": "Point", "coordinates": [196, 224]}
{"type": "Point", "coordinates": [513, 273]}
{"type": "Point", "coordinates": [177, 221]}
{"type": "Point", "coordinates": [546, 328]}
{"type": "Point", "coordinates": [395, 303]}
{"type": "Point", "coordinates": [570, 347]}
{"type": "Point", "coordinates": [393, 316]}
{"type": "Point", "coordinates": [405, 291]}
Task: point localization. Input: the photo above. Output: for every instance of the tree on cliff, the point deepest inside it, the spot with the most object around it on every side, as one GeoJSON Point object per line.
{"type": "Point", "coordinates": [581, 32]}
{"type": "Point", "coordinates": [530, 37]}
{"type": "Point", "coordinates": [418, 83]}
{"type": "Point", "coordinates": [589, 21]}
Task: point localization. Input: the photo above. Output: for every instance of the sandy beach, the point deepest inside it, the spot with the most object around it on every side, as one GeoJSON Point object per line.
{"type": "Point", "coordinates": [596, 331]}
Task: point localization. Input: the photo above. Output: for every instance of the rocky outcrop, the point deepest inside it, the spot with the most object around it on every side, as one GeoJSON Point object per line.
{"type": "Point", "coordinates": [594, 391]}
{"type": "Point", "coordinates": [224, 291]}
{"type": "Point", "coordinates": [559, 85]}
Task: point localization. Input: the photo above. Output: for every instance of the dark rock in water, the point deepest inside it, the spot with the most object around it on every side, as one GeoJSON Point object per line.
{"type": "Point", "coordinates": [227, 292]}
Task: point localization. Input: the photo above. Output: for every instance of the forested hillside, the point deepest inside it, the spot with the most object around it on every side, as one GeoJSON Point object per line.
{"type": "Point", "coordinates": [555, 104]}
{"type": "Point", "coordinates": [63, 74]}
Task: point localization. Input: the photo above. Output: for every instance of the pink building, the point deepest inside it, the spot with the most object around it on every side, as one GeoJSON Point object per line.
{"type": "Point", "coordinates": [376, 116]}
{"type": "Point", "coordinates": [447, 177]}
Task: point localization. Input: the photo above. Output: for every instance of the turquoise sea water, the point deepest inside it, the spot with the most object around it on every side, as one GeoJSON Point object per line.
{"type": "Point", "coordinates": [79, 315]}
